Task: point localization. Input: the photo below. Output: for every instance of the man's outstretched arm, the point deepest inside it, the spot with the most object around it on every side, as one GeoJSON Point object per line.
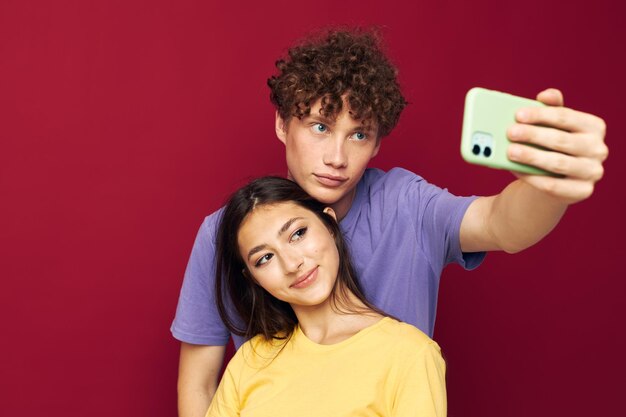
{"type": "Point", "coordinates": [529, 208]}
{"type": "Point", "coordinates": [198, 372]}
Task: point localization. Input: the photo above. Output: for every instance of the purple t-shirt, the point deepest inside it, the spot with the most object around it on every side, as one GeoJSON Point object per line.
{"type": "Point", "coordinates": [401, 231]}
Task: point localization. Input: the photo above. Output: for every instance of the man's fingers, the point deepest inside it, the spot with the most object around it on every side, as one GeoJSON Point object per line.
{"type": "Point", "coordinates": [571, 144]}
{"type": "Point", "coordinates": [577, 144]}
{"type": "Point", "coordinates": [565, 189]}
{"type": "Point", "coordinates": [562, 118]}
{"type": "Point", "coordinates": [587, 169]}
{"type": "Point", "coordinates": [551, 97]}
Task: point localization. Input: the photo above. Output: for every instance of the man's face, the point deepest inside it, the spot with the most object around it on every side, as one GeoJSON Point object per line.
{"type": "Point", "coordinates": [328, 157]}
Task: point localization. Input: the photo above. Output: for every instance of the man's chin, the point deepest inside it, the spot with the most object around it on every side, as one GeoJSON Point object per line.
{"type": "Point", "coordinates": [325, 195]}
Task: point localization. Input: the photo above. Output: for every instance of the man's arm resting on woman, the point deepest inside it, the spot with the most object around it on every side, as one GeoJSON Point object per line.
{"type": "Point", "coordinates": [198, 372]}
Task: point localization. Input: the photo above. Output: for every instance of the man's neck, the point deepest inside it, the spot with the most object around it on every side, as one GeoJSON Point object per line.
{"type": "Point", "coordinates": [342, 207]}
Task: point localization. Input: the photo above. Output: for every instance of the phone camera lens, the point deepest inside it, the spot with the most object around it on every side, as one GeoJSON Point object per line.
{"type": "Point", "coordinates": [476, 150]}
{"type": "Point", "coordinates": [487, 151]}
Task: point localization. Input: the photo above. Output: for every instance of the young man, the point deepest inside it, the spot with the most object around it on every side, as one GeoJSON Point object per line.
{"type": "Point", "coordinates": [336, 97]}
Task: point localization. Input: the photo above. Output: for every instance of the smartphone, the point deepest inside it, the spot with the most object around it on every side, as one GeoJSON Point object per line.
{"type": "Point", "coordinates": [487, 116]}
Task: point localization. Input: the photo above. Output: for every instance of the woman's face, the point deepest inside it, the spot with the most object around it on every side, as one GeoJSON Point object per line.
{"type": "Point", "coordinates": [290, 253]}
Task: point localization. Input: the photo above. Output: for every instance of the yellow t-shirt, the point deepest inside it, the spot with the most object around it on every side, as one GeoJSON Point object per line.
{"type": "Point", "coordinates": [387, 369]}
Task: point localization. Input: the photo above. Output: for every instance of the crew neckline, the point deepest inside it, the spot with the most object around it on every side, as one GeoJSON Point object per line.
{"type": "Point", "coordinates": [303, 341]}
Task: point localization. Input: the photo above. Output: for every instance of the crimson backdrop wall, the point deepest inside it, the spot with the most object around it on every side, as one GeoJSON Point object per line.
{"type": "Point", "coordinates": [123, 123]}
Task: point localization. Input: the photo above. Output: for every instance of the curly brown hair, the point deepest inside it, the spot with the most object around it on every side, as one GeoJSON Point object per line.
{"type": "Point", "coordinates": [338, 63]}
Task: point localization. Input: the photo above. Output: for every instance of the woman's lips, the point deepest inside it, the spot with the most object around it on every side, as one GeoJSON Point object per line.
{"type": "Point", "coordinates": [306, 279]}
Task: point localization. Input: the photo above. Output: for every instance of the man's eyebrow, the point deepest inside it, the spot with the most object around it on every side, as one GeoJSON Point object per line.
{"type": "Point", "coordinates": [365, 128]}
{"type": "Point", "coordinates": [282, 230]}
{"type": "Point", "coordinates": [320, 118]}
{"type": "Point", "coordinates": [327, 121]}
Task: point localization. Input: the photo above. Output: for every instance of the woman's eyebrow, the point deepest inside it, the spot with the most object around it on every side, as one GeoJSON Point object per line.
{"type": "Point", "coordinates": [287, 225]}
{"type": "Point", "coordinates": [256, 249]}
{"type": "Point", "coordinates": [282, 230]}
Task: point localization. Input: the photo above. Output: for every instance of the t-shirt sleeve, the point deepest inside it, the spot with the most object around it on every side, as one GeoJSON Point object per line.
{"type": "Point", "coordinates": [438, 214]}
{"type": "Point", "coordinates": [197, 320]}
{"type": "Point", "coordinates": [225, 402]}
{"type": "Point", "coordinates": [421, 389]}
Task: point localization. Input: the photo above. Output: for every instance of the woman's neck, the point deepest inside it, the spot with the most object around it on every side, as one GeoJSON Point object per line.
{"type": "Point", "coordinates": [327, 324]}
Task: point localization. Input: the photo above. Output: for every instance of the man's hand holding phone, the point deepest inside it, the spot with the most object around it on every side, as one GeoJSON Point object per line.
{"type": "Point", "coordinates": [566, 152]}
{"type": "Point", "coordinates": [556, 153]}
{"type": "Point", "coordinates": [577, 138]}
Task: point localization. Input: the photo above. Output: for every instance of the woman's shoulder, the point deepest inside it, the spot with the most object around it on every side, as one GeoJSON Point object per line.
{"type": "Point", "coordinates": [258, 352]}
{"type": "Point", "coordinates": [404, 336]}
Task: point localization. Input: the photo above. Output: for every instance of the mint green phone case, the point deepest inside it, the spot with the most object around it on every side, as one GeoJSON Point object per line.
{"type": "Point", "coordinates": [487, 116]}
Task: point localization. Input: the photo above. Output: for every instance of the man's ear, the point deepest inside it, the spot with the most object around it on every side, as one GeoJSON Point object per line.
{"type": "Point", "coordinates": [281, 129]}
{"type": "Point", "coordinates": [377, 148]}
{"type": "Point", "coordinates": [330, 212]}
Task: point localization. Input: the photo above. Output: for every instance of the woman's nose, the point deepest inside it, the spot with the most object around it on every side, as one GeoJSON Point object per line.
{"type": "Point", "coordinates": [292, 260]}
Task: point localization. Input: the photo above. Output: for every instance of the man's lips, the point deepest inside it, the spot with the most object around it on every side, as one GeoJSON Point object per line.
{"type": "Point", "coordinates": [330, 180]}
{"type": "Point", "coordinates": [306, 279]}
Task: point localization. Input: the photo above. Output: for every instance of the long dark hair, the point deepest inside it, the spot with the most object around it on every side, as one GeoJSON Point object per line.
{"type": "Point", "coordinates": [261, 312]}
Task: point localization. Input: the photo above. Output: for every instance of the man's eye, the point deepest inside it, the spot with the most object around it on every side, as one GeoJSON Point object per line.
{"type": "Point", "coordinates": [359, 136]}
{"type": "Point", "coordinates": [319, 128]}
{"type": "Point", "coordinates": [264, 259]}
{"type": "Point", "coordinates": [298, 234]}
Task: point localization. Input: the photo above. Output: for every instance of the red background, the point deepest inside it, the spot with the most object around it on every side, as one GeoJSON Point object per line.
{"type": "Point", "coordinates": [123, 123]}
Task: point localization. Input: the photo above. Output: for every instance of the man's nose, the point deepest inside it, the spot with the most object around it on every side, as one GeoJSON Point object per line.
{"type": "Point", "coordinates": [335, 153]}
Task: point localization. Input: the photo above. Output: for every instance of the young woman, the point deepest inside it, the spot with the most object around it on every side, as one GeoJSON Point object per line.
{"type": "Point", "coordinates": [317, 347]}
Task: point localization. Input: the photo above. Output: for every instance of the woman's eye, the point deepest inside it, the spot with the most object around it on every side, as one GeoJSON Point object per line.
{"type": "Point", "coordinates": [359, 136]}
{"type": "Point", "coordinates": [298, 234]}
{"type": "Point", "coordinates": [264, 259]}
{"type": "Point", "coordinates": [319, 128]}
